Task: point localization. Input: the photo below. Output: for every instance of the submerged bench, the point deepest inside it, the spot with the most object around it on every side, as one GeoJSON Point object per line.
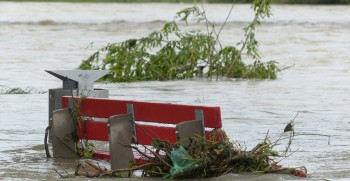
{"type": "Point", "coordinates": [128, 122]}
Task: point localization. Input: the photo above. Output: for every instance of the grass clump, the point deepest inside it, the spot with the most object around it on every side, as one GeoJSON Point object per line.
{"type": "Point", "coordinates": [18, 90]}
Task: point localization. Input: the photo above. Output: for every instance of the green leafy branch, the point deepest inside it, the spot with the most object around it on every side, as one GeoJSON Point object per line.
{"type": "Point", "coordinates": [172, 53]}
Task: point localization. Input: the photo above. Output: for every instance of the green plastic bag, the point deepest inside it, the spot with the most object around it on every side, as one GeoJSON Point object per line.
{"type": "Point", "coordinates": [184, 165]}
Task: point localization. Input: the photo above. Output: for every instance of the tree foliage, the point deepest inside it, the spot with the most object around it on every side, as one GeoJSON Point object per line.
{"type": "Point", "coordinates": [172, 53]}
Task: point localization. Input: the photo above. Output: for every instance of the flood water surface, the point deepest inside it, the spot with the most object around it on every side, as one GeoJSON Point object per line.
{"type": "Point", "coordinates": [314, 41]}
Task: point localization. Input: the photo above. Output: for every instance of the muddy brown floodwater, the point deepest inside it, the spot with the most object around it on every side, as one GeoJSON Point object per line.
{"type": "Point", "coordinates": [314, 40]}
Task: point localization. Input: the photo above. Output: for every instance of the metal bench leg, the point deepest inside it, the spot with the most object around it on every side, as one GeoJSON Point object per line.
{"type": "Point", "coordinates": [62, 139]}
{"type": "Point", "coordinates": [120, 129]}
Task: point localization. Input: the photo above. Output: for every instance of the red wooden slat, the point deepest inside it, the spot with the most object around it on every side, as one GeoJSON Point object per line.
{"type": "Point", "coordinates": [149, 111]}
{"type": "Point", "coordinates": [146, 133]}
{"type": "Point", "coordinates": [98, 130]}
{"type": "Point", "coordinates": [102, 154]}
{"type": "Point", "coordinates": [102, 108]}
{"type": "Point", "coordinates": [175, 113]}
{"type": "Point", "coordinates": [93, 130]}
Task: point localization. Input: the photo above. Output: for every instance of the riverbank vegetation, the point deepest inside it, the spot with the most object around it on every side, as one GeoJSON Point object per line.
{"type": "Point", "coordinates": [179, 52]}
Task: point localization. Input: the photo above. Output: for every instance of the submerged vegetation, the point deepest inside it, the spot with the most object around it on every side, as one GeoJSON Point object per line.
{"type": "Point", "coordinates": [18, 90]}
{"type": "Point", "coordinates": [84, 147]}
{"type": "Point", "coordinates": [174, 53]}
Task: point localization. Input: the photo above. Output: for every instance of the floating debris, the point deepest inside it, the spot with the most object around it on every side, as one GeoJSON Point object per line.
{"type": "Point", "coordinates": [202, 158]}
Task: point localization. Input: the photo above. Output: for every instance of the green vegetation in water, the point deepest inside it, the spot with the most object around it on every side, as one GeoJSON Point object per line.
{"type": "Point", "coordinates": [172, 53]}
{"type": "Point", "coordinates": [18, 90]}
{"type": "Point", "coordinates": [84, 147]}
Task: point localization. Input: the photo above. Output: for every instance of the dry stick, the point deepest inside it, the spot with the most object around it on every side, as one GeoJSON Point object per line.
{"type": "Point", "coordinates": [138, 150]}
{"type": "Point", "coordinates": [58, 173]}
{"type": "Point", "coordinates": [88, 174]}
{"type": "Point", "coordinates": [218, 33]}
{"type": "Point", "coordinates": [217, 40]}
{"type": "Point", "coordinates": [156, 155]}
{"type": "Point", "coordinates": [63, 169]}
{"type": "Point", "coordinates": [287, 67]}
{"type": "Point", "coordinates": [227, 171]}
{"type": "Point", "coordinates": [222, 27]}
{"type": "Point", "coordinates": [280, 137]}
{"type": "Point", "coordinates": [266, 135]}
{"type": "Point", "coordinates": [91, 44]}
{"type": "Point", "coordinates": [286, 156]}
{"type": "Point", "coordinates": [291, 136]}
{"type": "Point", "coordinates": [209, 45]}
{"type": "Point", "coordinates": [98, 168]}
{"type": "Point", "coordinates": [82, 166]}
{"type": "Point", "coordinates": [127, 169]}
{"type": "Point", "coordinates": [77, 169]}
{"type": "Point", "coordinates": [104, 169]}
{"type": "Point", "coordinates": [62, 142]}
{"type": "Point", "coordinates": [143, 130]}
{"type": "Point", "coordinates": [229, 14]}
{"type": "Point", "coordinates": [257, 149]}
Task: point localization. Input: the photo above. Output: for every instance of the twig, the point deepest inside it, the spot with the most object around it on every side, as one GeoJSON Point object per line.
{"type": "Point", "coordinates": [87, 173]}
{"type": "Point", "coordinates": [209, 44]}
{"type": "Point", "coordinates": [63, 169]}
{"type": "Point", "coordinates": [222, 27]}
{"type": "Point", "coordinates": [286, 156]}
{"type": "Point", "coordinates": [97, 167]}
{"type": "Point", "coordinates": [206, 19]}
{"type": "Point", "coordinates": [128, 169]}
{"type": "Point", "coordinates": [266, 137]}
{"type": "Point", "coordinates": [157, 155]}
{"type": "Point", "coordinates": [138, 150]}
{"type": "Point", "coordinates": [287, 67]}
{"type": "Point", "coordinates": [58, 173]}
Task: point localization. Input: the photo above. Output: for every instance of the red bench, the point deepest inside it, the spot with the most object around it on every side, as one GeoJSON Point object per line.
{"type": "Point", "coordinates": [141, 116]}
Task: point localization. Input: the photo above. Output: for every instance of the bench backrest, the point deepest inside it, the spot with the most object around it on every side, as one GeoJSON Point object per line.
{"type": "Point", "coordinates": [148, 112]}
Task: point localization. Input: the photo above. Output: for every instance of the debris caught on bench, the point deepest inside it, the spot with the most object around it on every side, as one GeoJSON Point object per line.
{"type": "Point", "coordinates": [208, 159]}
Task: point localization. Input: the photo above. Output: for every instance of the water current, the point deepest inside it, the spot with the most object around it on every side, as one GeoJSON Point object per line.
{"type": "Point", "coordinates": [313, 40]}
